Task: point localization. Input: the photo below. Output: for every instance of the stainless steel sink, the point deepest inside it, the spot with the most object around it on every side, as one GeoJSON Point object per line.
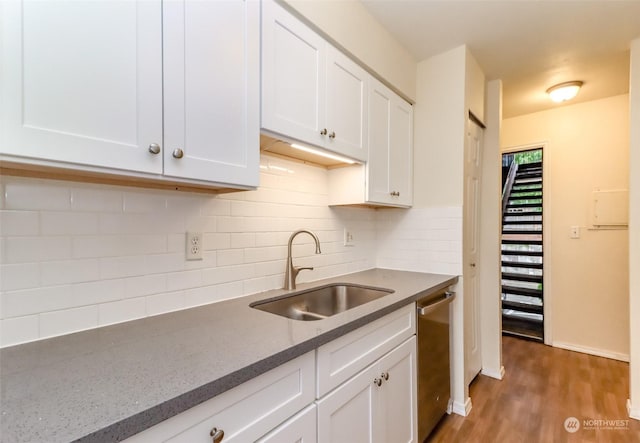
{"type": "Point", "coordinates": [321, 302]}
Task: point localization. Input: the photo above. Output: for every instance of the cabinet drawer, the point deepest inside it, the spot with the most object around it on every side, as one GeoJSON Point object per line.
{"type": "Point", "coordinates": [245, 412]}
{"type": "Point", "coordinates": [298, 429]}
{"type": "Point", "coordinates": [344, 357]}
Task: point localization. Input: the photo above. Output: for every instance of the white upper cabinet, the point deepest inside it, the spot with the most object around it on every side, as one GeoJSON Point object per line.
{"type": "Point", "coordinates": [311, 92]}
{"type": "Point", "coordinates": [211, 90]}
{"type": "Point", "coordinates": [387, 177]}
{"type": "Point", "coordinates": [165, 88]}
{"type": "Point", "coordinates": [82, 82]}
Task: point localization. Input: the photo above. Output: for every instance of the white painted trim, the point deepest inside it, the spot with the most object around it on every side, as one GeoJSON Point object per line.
{"type": "Point", "coordinates": [462, 409]}
{"type": "Point", "coordinates": [592, 351]}
{"type": "Point", "coordinates": [498, 375]}
{"type": "Point", "coordinates": [633, 412]}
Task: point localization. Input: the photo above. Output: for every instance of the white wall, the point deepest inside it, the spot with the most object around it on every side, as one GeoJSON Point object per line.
{"type": "Point", "coordinates": [587, 147]}
{"type": "Point", "coordinates": [76, 256]}
{"type": "Point", "coordinates": [634, 232]}
{"type": "Point", "coordinates": [354, 28]}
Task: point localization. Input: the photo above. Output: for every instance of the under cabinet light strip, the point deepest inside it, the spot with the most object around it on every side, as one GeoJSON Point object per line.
{"type": "Point", "coordinates": [322, 153]}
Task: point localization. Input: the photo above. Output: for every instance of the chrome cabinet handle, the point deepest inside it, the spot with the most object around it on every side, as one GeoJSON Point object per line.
{"type": "Point", "coordinates": [217, 435]}
{"type": "Point", "coordinates": [385, 375]}
{"type": "Point", "coordinates": [377, 382]}
{"type": "Point", "coordinates": [332, 135]}
{"type": "Point", "coordinates": [154, 148]}
{"type": "Point", "coordinates": [178, 153]}
{"type": "Point", "coordinates": [395, 193]}
{"type": "Point", "coordinates": [323, 132]}
{"type": "Point", "coordinates": [448, 298]}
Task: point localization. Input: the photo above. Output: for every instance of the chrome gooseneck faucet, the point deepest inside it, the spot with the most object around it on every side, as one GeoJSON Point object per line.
{"type": "Point", "coordinates": [292, 271]}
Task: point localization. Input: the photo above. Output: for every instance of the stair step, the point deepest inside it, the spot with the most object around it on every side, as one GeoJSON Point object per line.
{"type": "Point", "coordinates": [522, 291]}
{"type": "Point", "coordinates": [524, 211]}
{"type": "Point", "coordinates": [523, 307]}
{"type": "Point", "coordinates": [522, 277]}
{"type": "Point", "coordinates": [528, 174]}
{"type": "Point", "coordinates": [510, 241]}
{"type": "Point", "coordinates": [523, 253]}
{"type": "Point", "coordinates": [521, 265]}
{"type": "Point", "coordinates": [525, 181]}
{"type": "Point", "coordinates": [530, 165]}
{"type": "Point", "coordinates": [531, 186]}
{"type": "Point", "coordinates": [521, 231]}
{"type": "Point", "coordinates": [522, 222]}
{"type": "Point", "coordinates": [524, 205]}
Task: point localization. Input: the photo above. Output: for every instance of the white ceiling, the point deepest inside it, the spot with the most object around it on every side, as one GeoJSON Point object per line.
{"type": "Point", "coordinates": [529, 44]}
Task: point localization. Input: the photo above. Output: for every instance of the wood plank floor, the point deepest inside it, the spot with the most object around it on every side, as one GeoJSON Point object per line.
{"type": "Point", "coordinates": [542, 387]}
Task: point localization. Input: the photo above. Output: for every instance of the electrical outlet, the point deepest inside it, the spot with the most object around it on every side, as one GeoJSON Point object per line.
{"type": "Point", "coordinates": [348, 238]}
{"type": "Point", "coordinates": [194, 246]}
{"type": "Point", "coordinates": [574, 232]}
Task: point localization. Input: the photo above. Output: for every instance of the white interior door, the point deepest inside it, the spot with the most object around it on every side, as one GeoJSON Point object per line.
{"type": "Point", "coordinates": [472, 175]}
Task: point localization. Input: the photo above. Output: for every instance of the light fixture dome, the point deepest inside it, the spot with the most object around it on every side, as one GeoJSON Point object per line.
{"type": "Point", "coordinates": [564, 91]}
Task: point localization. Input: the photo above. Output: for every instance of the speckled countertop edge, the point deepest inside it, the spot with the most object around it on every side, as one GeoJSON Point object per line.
{"type": "Point", "coordinates": [98, 392]}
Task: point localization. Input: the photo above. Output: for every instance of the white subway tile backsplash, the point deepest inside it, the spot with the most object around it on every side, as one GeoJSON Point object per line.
{"type": "Point", "coordinates": [19, 276]}
{"type": "Point", "coordinates": [75, 257]}
{"type": "Point", "coordinates": [16, 223]}
{"type": "Point", "coordinates": [19, 330]}
{"type": "Point", "coordinates": [68, 223]}
{"type": "Point", "coordinates": [36, 195]}
{"type": "Point", "coordinates": [69, 271]}
{"type": "Point", "coordinates": [68, 320]}
{"type": "Point", "coordinates": [121, 310]}
{"type": "Point", "coordinates": [97, 199]}
{"type": "Point", "coordinates": [166, 302]}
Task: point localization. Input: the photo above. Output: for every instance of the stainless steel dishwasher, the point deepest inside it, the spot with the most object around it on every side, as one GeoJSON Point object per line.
{"type": "Point", "coordinates": [434, 392]}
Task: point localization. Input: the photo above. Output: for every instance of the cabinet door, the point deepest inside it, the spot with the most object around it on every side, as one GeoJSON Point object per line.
{"type": "Point", "coordinates": [82, 82]}
{"type": "Point", "coordinates": [401, 155]}
{"type": "Point", "coordinates": [300, 428]}
{"type": "Point", "coordinates": [346, 415]}
{"type": "Point", "coordinates": [293, 76]}
{"type": "Point", "coordinates": [398, 401]}
{"type": "Point", "coordinates": [390, 167]}
{"type": "Point", "coordinates": [211, 87]}
{"type": "Point", "coordinates": [346, 115]}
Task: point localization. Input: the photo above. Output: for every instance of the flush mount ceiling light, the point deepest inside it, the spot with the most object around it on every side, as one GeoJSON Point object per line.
{"type": "Point", "coordinates": [322, 153]}
{"type": "Point", "coordinates": [564, 91]}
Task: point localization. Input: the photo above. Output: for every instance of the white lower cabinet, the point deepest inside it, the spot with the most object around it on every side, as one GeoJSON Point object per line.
{"type": "Point", "coordinates": [298, 429]}
{"type": "Point", "coordinates": [244, 413]}
{"type": "Point", "coordinates": [360, 387]}
{"type": "Point", "coordinates": [377, 405]}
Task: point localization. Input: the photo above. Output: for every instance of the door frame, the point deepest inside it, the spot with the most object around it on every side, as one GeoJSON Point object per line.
{"type": "Point", "coordinates": [547, 272]}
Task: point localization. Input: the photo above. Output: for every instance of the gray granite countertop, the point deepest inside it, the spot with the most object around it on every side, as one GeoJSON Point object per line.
{"type": "Point", "coordinates": [110, 383]}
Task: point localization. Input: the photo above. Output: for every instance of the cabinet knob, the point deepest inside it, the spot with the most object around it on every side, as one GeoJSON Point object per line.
{"type": "Point", "coordinates": [178, 153]}
{"type": "Point", "coordinates": [385, 375]}
{"type": "Point", "coordinates": [323, 132]}
{"type": "Point", "coordinates": [377, 381]}
{"type": "Point", "coordinates": [154, 148]}
{"type": "Point", "coordinates": [332, 135]}
{"type": "Point", "coordinates": [395, 193]}
{"type": "Point", "coordinates": [217, 435]}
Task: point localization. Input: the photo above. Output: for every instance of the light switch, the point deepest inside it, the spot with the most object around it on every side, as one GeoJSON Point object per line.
{"type": "Point", "coordinates": [574, 232]}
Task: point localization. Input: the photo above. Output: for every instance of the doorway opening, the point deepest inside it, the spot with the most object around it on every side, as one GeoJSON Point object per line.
{"type": "Point", "coordinates": [522, 246]}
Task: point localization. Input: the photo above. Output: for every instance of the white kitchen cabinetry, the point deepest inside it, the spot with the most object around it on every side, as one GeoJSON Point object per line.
{"type": "Point", "coordinates": [387, 177]}
{"type": "Point", "coordinates": [299, 429]}
{"type": "Point", "coordinates": [82, 88]}
{"type": "Point", "coordinates": [377, 405]}
{"type": "Point", "coordinates": [311, 92]}
{"type": "Point", "coordinates": [246, 412]}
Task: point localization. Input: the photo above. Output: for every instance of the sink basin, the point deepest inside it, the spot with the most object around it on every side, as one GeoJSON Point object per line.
{"type": "Point", "coordinates": [321, 302]}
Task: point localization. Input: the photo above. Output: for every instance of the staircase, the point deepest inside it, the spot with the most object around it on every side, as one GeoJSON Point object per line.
{"type": "Point", "coordinates": [522, 293]}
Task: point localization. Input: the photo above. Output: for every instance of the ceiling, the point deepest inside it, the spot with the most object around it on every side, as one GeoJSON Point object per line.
{"type": "Point", "coordinates": [529, 44]}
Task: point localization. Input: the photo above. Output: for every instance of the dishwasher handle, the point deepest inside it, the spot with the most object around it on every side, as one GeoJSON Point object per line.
{"type": "Point", "coordinates": [427, 309]}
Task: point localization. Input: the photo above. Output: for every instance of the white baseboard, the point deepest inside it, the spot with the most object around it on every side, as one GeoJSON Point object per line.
{"type": "Point", "coordinates": [498, 375]}
{"type": "Point", "coordinates": [633, 412]}
{"type": "Point", "coordinates": [592, 351]}
{"type": "Point", "coordinates": [462, 408]}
